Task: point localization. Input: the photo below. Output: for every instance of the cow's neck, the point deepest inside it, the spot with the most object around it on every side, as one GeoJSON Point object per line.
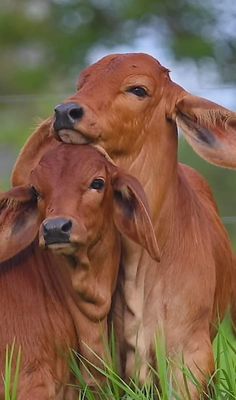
{"type": "Point", "coordinates": [94, 274]}
{"type": "Point", "coordinates": [155, 166]}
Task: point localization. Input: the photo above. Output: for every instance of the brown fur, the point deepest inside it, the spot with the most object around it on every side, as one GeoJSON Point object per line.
{"type": "Point", "coordinates": [190, 289]}
{"type": "Point", "coordinates": [35, 314]}
{"type": "Point", "coordinates": [89, 261]}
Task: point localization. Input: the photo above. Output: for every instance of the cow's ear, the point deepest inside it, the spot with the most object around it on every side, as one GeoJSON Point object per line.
{"type": "Point", "coordinates": [19, 221]}
{"type": "Point", "coordinates": [36, 146]}
{"type": "Point", "coordinates": [131, 213]}
{"type": "Point", "coordinates": [209, 128]}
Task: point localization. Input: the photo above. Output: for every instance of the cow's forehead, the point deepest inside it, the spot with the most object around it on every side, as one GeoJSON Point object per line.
{"type": "Point", "coordinates": [68, 161]}
{"type": "Point", "coordinates": [119, 66]}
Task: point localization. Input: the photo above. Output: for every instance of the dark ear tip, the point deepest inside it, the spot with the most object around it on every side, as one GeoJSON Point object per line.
{"type": "Point", "coordinates": [155, 253]}
{"type": "Point", "coordinates": [157, 258]}
{"type": "Point", "coordinates": [231, 123]}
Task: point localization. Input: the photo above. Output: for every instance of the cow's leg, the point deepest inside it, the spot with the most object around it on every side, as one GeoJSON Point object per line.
{"type": "Point", "coordinates": [116, 324]}
{"type": "Point", "coordinates": [197, 356]}
{"type": "Point", "coordinates": [37, 385]}
{"type": "Point", "coordinates": [137, 357]}
{"type": "Point", "coordinates": [136, 341]}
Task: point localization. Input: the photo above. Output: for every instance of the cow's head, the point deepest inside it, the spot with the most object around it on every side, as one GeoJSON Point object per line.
{"type": "Point", "coordinates": [124, 98]}
{"type": "Point", "coordinates": [75, 198]}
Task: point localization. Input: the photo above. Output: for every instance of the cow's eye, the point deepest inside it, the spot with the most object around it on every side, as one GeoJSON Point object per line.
{"type": "Point", "coordinates": [138, 91]}
{"type": "Point", "coordinates": [35, 192]}
{"type": "Point", "coordinates": [98, 184]}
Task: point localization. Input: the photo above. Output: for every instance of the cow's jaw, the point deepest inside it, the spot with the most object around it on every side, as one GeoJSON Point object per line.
{"type": "Point", "coordinates": [72, 136]}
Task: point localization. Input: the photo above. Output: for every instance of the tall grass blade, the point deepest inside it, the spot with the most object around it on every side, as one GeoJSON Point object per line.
{"type": "Point", "coordinates": [11, 379]}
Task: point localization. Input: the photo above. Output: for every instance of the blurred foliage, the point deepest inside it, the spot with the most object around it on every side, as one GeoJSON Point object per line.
{"type": "Point", "coordinates": [45, 43]}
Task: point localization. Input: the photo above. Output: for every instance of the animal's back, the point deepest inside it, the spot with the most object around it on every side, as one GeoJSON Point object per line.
{"type": "Point", "coordinates": [213, 234]}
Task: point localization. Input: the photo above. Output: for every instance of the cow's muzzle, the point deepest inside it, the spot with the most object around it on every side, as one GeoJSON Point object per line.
{"type": "Point", "coordinates": [62, 235]}
{"type": "Point", "coordinates": [66, 121]}
{"type": "Point", "coordinates": [56, 231]}
{"type": "Point", "coordinates": [67, 116]}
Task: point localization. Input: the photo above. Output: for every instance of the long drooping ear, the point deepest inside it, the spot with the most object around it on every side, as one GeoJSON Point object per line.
{"type": "Point", "coordinates": [209, 128]}
{"type": "Point", "coordinates": [131, 213]}
{"type": "Point", "coordinates": [38, 143]}
{"type": "Point", "coordinates": [19, 221]}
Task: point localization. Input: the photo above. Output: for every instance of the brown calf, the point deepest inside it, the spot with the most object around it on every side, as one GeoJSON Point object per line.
{"type": "Point", "coordinates": [79, 202]}
{"type": "Point", "coordinates": [35, 314]}
{"type": "Point", "coordinates": [129, 105]}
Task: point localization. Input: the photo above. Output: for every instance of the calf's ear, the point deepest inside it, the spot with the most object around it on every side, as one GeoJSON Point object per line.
{"type": "Point", "coordinates": [38, 143]}
{"type": "Point", "coordinates": [19, 221]}
{"type": "Point", "coordinates": [209, 128]}
{"type": "Point", "coordinates": [131, 213]}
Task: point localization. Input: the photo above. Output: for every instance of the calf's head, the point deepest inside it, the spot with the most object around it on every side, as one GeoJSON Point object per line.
{"type": "Point", "coordinates": [76, 199]}
{"type": "Point", "coordinates": [125, 100]}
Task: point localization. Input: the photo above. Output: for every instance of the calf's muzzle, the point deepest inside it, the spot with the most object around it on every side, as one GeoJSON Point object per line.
{"type": "Point", "coordinates": [57, 230]}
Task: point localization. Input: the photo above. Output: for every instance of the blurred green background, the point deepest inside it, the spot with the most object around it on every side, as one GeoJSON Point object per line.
{"type": "Point", "coordinates": [44, 44]}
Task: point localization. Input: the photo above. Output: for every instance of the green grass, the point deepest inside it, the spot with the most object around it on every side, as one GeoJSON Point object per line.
{"type": "Point", "coordinates": [225, 356]}
{"type": "Point", "coordinates": [12, 369]}
{"type": "Point", "coordinates": [223, 384]}
{"type": "Point", "coordinates": [221, 387]}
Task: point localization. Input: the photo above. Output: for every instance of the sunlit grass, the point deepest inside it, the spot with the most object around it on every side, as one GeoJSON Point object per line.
{"type": "Point", "coordinates": [222, 385]}
{"type": "Point", "coordinates": [12, 370]}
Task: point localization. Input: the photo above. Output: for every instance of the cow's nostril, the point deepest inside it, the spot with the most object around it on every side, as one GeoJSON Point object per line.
{"type": "Point", "coordinates": [76, 113]}
{"type": "Point", "coordinates": [66, 227]}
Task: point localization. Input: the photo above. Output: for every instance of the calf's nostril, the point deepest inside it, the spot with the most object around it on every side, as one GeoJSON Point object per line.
{"type": "Point", "coordinates": [57, 108]}
{"type": "Point", "coordinates": [66, 227]}
{"type": "Point", "coordinates": [76, 113]}
{"type": "Point", "coordinates": [57, 227]}
{"type": "Point", "coordinates": [45, 229]}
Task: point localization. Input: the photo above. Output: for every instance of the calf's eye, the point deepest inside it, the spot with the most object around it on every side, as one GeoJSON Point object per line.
{"type": "Point", "coordinates": [138, 91]}
{"type": "Point", "coordinates": [98, 184]}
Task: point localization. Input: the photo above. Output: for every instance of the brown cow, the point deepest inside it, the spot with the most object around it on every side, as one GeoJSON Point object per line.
{"type": "Point", "coordinates": [128, 104]}
{"type": "Point", "coordinates": [80, 219]}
